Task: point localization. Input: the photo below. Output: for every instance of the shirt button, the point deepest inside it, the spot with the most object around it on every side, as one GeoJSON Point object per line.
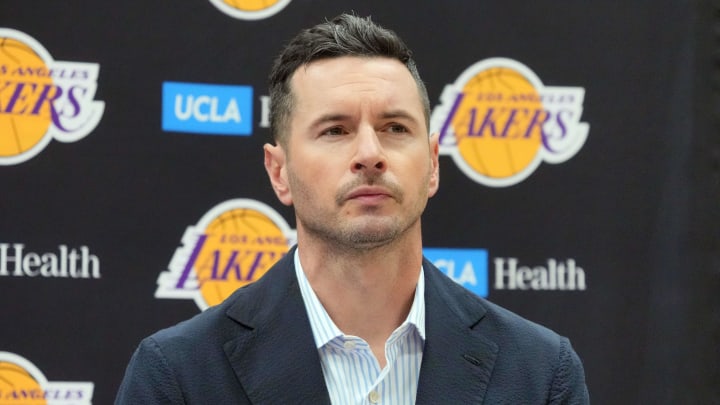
{"type": "Point", "coordinates": [349, 344]}
{"type": "Point", "coordinates": [374, 397]}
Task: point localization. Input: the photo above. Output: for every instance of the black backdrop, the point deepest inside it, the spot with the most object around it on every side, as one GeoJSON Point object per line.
{"type": "Point", "coordinates": [636, 207]}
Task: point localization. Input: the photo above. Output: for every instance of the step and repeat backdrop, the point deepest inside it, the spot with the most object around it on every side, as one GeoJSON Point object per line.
{"type": "Point", "coordinates": [579, 177]}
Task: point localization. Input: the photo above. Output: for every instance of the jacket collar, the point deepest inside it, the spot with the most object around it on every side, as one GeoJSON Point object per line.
{"type": "Point", "coordinates": [284, 367]}
{"type": "Point", "coordinates": [457, 359]}
{"type": "Point", "coordinates": [275, 358]}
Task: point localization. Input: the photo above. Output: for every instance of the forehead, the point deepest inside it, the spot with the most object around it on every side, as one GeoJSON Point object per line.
{"type": "Point", "coordinates": [350, 80]}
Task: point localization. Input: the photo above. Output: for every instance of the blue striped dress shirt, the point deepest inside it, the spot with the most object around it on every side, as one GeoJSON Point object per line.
{"type": "Point", "coordinates": [352, 373]}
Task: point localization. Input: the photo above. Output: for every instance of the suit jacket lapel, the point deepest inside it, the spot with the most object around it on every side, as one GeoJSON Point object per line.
{"type": "Point", "coordinates": [275, 368]}
{"type": "Point", "coordinates": [274, 356]}
{"type": "Point", "coordinates": [457, 359]}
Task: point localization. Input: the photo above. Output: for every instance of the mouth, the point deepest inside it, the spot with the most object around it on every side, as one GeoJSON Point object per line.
{"type": "Point", "coordinates": [369, 194]}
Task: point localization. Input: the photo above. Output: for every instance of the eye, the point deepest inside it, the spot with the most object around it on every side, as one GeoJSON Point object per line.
{"type": "Point", "coordinates": [397, 128]}
{"type": "Point", "coordinates": [334, 131]}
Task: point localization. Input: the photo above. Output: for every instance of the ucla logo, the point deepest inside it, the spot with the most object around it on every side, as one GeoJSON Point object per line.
{"type": "Point", "coordinates": [250, 9]}
{"type": "Point", "coordinates": [207, 108]}
{"type": "Point", "coordinates": [42, 99]}
{"type": "Point", "coordinates": [498, 122]}
{"type": "Point", "coordinates": [233, 244]}
{"type": "Point", "coordinates": [467, 267]}
{"type": "Point", "coordinates": [22, 383]}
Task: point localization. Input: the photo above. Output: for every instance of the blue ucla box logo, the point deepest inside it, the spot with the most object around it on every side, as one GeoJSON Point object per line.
{"type": "Point", "coordinates": [207, 108]}
{"type": "Point", "coordinates": [467, 267]}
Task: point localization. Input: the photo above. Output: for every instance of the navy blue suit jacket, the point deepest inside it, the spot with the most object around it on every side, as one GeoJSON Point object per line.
{"type": "Point", "coordinates": [257, 347]}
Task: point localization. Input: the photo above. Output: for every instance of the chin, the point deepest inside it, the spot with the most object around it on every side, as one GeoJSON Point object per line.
{"type": "Point", "coordinates": [373, 235]}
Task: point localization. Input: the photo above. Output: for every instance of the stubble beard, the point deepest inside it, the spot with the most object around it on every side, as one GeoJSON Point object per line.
{"type": "Point", "coordinates": [362, 233]}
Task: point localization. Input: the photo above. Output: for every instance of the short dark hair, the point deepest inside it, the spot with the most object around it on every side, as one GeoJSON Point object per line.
{"type": "Point", "coordinates": [344, 35]}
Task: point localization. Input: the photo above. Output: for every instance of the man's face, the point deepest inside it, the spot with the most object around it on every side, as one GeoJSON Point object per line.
{"type": "Point", "coordinates": [358, 165]}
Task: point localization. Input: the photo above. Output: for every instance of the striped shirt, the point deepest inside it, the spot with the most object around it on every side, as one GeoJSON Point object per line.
{"type": "Point", "coordinates": [352, 373]}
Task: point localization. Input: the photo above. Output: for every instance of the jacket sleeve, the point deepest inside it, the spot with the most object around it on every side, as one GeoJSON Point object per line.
{"type": "Point", "coordinates": [568, 386]}
{"type": "Point", "coordinates": [149, 378]}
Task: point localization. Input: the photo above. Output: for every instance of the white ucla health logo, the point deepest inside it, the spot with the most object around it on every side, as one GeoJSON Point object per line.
{"type": "Point", "coordinates": [207, 108]}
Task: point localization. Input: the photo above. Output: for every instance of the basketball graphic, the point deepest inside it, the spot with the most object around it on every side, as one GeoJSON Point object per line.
{"type": "Point", "coordinates": [19, 386]}
{"type": "Point", "coordinates": [498, 122]}
{"type": "Point", "coordinates": [502, 150]}
{"type": "Point", "coordinates": [41, 98]}
{"type": "Point", "coordinates": [234, 244]}
{"type": "Point", "coordinates": [241, 246]}
{"type": "Point", "coordinates": [22, 383]}
{"type": "Point", "coordinates": [250, 9]}
{"type": "Point", "coordinates": [250, 5]}
{"type": "Point", "coordinates": [21, 128]}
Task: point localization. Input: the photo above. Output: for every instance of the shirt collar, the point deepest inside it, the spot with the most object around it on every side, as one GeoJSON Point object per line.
{"type": "Point", "coordinates": [324, 329]}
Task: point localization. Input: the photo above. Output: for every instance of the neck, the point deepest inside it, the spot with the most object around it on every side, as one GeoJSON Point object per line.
{"type": "Point", "coordinates": [367, 293]}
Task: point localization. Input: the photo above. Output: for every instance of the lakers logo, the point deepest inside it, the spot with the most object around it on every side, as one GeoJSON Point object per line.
{"type": "Point", "coordinates": [499, 122]}
{"type": "Point", "coordinates": [42, 99]}
{"type": "Point", "coordinates": [250, 9]}
{"type": "Point", "coordinates": [21, 383]}
{"type": "Point", "coordinates": [234, 244]}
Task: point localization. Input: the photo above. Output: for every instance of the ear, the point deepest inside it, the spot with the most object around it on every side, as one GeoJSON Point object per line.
{"type": "Point", "coordinates": [434, 183]}
{"type": "Point", "coordinates": [277, 172]}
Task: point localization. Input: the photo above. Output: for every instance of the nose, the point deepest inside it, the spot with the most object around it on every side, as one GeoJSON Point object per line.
{"type": "Point", "coordinates": [369, 154]}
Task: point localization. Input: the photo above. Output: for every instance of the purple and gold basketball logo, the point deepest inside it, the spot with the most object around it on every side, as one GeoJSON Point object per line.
{"type": "Point", "coordinates": [250, 9]}
{"type": "Point", "coordinates": [42, 99]}
{"type": "Point", "coordinates": [21, 383]}
{"type": "Point", "coordinates": [233, 245]}
{"type": "Point", "coordinates": [499, 122]}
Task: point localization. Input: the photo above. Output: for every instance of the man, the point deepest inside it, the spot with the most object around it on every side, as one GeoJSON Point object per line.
{"type": "Point", "coordinates": [353, 314]}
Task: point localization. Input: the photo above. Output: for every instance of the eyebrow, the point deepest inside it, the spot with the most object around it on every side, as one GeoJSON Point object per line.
{"type": "Point", "coordinates": [399, 114]}
{"type": "Point", "coordinates": [329, 118]}
{"type": "Point", "coordinates": [392, 114]}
